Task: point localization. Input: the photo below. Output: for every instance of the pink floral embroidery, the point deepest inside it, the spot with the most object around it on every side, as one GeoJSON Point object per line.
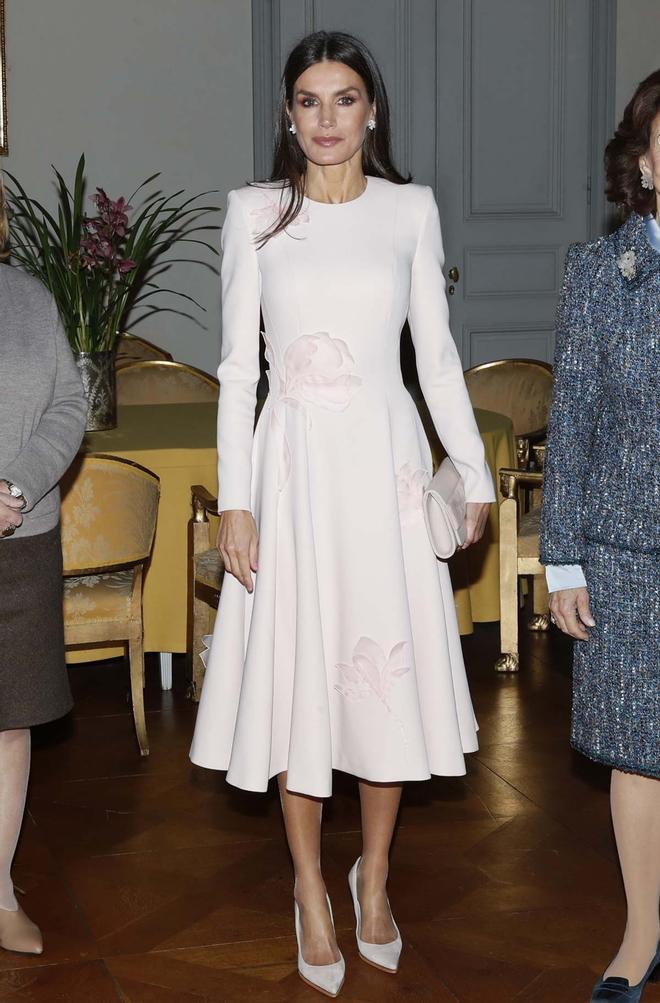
{"type": "Point", "coordinates": [320, 370]}
{"type": "Point", "coordinates": [317, 370]}
{"type": "Point", "coordinates": [410, 484]}
{"type": "Point", "coordinates": [372, 672]}
{"type": "Point", "coordinates": [269, 212]}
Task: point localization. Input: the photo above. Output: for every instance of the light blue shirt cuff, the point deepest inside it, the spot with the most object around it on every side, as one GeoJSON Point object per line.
{"type": "Point", "coordinates": [564, 576]}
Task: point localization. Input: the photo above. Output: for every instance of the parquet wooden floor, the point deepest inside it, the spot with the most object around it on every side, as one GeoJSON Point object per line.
{"type": "Point", "coordinates": [156, 882]}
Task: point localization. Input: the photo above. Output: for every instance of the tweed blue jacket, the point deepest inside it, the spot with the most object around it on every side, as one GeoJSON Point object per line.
{"type": "Point", "coordinates": [602, 473]}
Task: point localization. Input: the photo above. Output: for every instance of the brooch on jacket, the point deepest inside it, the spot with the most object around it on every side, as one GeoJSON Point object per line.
{"type": "Point", "coordinates": [627, 263]}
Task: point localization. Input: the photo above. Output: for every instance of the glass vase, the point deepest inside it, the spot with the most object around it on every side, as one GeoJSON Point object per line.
{"type": "Point", "coordinates": [97, 370]}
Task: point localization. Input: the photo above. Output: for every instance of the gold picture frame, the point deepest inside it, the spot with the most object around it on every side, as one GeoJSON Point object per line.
{"type": "Point", "coordinates": [4, 150]}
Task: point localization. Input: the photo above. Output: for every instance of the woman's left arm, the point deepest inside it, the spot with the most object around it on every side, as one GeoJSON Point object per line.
{"type": "Point", "coordinates": [54, 443]}
{"type": "Point", "coordinates": [438, 364]}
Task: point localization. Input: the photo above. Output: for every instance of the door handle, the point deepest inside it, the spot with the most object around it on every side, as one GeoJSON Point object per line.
{"type": "Point", "coordinates": [454, 275]}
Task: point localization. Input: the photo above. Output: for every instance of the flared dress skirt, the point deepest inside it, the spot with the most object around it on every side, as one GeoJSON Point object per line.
{"type": "Point", "coordinates": [347, 655]}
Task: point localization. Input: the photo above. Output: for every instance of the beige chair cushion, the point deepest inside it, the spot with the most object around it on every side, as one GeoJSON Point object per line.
{"type": "Point", "coordinates": [98, 598]}
{"type": "Point", "coordinates": [528, 533]}
{"type": "Point", "coordinates": [209, 568]}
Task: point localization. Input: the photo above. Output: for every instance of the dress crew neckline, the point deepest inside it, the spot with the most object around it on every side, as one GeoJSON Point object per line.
{"type": "Point", "coordinates": [337, 205]}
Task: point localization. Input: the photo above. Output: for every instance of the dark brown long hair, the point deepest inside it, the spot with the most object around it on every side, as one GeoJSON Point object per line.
{"type": "Point", "coordinates": [289, 161]}
{"type": "Point", "coordinates": [631, 140]}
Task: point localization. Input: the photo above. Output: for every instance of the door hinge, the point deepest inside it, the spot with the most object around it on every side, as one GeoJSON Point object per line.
{"type": "Point", "coordinates": [588, 189]}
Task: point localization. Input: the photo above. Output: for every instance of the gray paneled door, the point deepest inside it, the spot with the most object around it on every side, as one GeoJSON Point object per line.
{"type": "Point", "coordinates": [502, 106]}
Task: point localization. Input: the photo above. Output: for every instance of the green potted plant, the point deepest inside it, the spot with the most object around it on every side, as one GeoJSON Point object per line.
{"type": "Point", "coordinates": [100, 267]}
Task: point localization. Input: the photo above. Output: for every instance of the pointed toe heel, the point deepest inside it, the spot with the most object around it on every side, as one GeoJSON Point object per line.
{"type": "Point", "coordinates": [19, 934]}
{"type": "Point", "coordinates": [383, 956]}
{"type": "Point", "coordinates": [326, 979]}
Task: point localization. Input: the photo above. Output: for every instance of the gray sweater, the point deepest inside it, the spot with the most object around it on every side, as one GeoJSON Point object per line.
{"type": "Point", "coordinates": [42, 404]}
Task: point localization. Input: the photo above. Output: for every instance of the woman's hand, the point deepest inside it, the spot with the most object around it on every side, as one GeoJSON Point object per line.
{"type": "Point", "coordinates": [476, 517]}
{"type": "Point", "coordinates": [238, 544]}
{"type": "Point", "coordinates": [570, 610]}
{"type": "Point", "coordinates": [10, 510]}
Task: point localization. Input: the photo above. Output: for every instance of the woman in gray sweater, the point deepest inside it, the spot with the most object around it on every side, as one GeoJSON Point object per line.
{"type": "Point", "coordinates": [42, 419]}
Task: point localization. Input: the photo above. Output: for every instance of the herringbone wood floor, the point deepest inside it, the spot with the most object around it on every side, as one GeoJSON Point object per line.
{"type": "Point", "coordinates": [155, 882]}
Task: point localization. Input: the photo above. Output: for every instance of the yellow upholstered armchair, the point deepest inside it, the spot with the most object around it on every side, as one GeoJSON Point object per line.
{"type": "Point", "coordinates": [130, 348]}
{"type": "Point", "coordinates": [109, 509]}
{"type": "Point", "coordinates": [520, 389]}
{"type": "Point", "coordinates": [162, 382]}
{"type": "Point", "coordinates": [207, 574]}
{"type": "Point", "coordinates": [519, 556]}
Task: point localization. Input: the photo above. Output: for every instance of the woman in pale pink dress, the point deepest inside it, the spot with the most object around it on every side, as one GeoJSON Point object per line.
{"type": "Point", "coordinates": [336, 644]}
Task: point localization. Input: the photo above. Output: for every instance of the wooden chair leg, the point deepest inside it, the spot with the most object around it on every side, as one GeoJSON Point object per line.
{"type": "Point", "coordinates": [136, 660]}
{"type": "Point", "coordinates": [200, 629]}
{"type": "Point", "coordinates": [509, 659]}
{"type": "Point", "coordinates": [541, 618]}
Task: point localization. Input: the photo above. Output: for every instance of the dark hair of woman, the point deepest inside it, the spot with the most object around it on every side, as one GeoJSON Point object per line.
{"type": "Point", "coordinates": [631, 140]}
{"type": "Point", "coordinates": [289, 161]}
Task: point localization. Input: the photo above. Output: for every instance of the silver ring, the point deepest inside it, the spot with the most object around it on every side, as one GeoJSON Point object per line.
{"type": "Point", "coordinates": [552, 620]}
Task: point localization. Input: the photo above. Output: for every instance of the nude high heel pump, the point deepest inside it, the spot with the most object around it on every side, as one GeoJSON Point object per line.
{"type": "Point", "coordinates": [19, 934]}
{"type": "Point", "coordinates": [327, 979]}
{"type": "Point", "coordinates": [383, 956]}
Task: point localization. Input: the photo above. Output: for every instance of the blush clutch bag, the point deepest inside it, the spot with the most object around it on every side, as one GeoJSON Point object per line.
{"type": "Point", "coordinates": [444, 510]}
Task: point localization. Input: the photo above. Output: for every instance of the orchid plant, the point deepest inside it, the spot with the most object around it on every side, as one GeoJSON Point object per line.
{"type": "Point", "coordinates": [102, 266]}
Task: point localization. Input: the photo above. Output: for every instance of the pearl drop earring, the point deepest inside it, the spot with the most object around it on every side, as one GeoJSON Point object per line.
{"type": "Point", "coordinates": [292, 129]}
{"type": "Point", "coordinates": [647, 181]}
{"type": "Point", "coordinates": [371, 124]}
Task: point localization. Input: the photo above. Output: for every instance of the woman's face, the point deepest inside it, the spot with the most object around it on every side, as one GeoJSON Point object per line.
{"type": "Point", "coordinates": [649, 163]}
{"type": "Point", "coordinates": [330, 109]}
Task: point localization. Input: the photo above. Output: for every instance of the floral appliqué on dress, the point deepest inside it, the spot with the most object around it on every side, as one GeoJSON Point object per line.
{"type": "Point", "coordinates": [410, 484]}
{"type": "Point", "coordinates": [317, 369]}
{"type": "Point", "coordinates": [372, 673]}
{"type": "Point", "coordinates": [268, 213]}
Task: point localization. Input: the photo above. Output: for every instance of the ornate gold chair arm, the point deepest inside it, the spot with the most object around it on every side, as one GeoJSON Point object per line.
{"type": "Point", "coordinates": [539, 455]}
{"type": "Point", "coordinates": [203, 503]}
{"type": "Point", "coordinates": [522, 451]}
{"type": "Point", "coordinates": [510, 479]}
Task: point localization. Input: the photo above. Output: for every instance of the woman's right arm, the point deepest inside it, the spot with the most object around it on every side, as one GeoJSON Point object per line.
{"type": "Point", "coordinates": [238, 374]}
{"type": "Point", "coordinates": [573, 415]}
{"type": "Point", "coordinates": [572, 421]}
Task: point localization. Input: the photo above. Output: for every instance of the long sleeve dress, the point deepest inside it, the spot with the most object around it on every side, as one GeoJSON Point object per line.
{"type": "Point", "coordinates": [347, 655]}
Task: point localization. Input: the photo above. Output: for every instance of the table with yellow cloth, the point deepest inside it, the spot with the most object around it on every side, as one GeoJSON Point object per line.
{"type": "Point", "coordinates": [178, 442]}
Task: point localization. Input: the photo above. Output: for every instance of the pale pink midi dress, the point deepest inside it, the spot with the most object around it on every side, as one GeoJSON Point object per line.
{"type": "Point", "coordinates": [347, 655]}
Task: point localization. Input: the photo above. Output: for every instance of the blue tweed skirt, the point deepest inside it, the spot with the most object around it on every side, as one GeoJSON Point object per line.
{"type": "Point", "coordinates": [616, 673]}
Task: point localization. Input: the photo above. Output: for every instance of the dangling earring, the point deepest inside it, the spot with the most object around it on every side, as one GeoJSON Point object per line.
{"type": "Point", "coordinates": [371, 124]}
{"type": "Point", "coordinates": [292, 129]}
{"type": "Point", "coordinates": [647, 181]}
